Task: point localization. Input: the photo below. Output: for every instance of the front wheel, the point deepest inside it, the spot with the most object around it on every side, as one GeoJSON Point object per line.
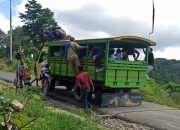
{"type": "Point", "coordinates": [77, 93]}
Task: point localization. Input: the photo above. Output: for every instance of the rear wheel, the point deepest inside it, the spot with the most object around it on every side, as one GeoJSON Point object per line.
{"type": "Point", "coordinates": [77, 93]}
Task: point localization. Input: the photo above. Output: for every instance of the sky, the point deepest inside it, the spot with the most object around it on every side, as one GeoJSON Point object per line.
{"type": "Point", "coordinates": [104, 18]}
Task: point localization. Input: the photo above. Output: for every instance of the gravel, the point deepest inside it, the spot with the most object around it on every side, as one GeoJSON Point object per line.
{"type": "Point", "coordinates": [117, 124]}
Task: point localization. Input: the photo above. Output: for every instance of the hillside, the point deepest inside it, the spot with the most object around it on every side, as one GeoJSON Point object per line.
{"type": "Point", "coordinates": [166, 70]}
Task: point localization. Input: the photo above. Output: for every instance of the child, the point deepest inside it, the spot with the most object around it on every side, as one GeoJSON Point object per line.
{"type": "Point", "coordinates": [26, 76]}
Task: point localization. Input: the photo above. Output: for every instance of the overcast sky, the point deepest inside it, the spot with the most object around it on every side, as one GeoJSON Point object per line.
{"type": "Point", "coordinates": [105, 18]}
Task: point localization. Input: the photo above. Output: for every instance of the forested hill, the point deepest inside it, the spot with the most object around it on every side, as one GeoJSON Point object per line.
{"type": "Point", "coordinates": [166, 70]}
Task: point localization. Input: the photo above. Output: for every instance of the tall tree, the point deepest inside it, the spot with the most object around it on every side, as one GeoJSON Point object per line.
{"type": "Point", "coordinates": [3, 44]}
{"type": "Point", "coordinates": [21, 39]}
{"type": "Point", "coordinates": [36, 20]}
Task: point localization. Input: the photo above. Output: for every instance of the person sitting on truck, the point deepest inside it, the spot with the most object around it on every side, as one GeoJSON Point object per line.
{"type": "Point", "coordinates": [72, 55]}
{"type": "Point", "coordinates": [97, 53]}
{"type": "Point", "coordinates": [112, 56]}
{"type": "Point", "coordinates": [48, 35]}
{"type": "Point", "coordinates": [118, 54]}
{"type": "Point", "coordinates": [84, 81]}
{"type": "Point", "coordinates": [131, 51]}
{"type": "Point", "coordinates": [62, 32]}
{"type": "Point", "coordinates": [59, 33]}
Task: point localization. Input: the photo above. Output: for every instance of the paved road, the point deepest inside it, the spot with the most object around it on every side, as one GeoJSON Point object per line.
{"type": "Point", "coordinates": [150, 114]}
{"type": "Point", "coordinates": [9, 77]}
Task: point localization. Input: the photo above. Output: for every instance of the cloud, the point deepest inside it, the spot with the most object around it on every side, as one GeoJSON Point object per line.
{"type": "Point", "coordinates": [4, 25]}
{"type": "Point", "coordinates": [93, 18]}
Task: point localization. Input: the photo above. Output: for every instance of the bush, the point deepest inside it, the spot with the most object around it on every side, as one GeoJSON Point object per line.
{"type": "Point", "coordinates": [46, 118]}
{"type": "Point", "coordinates": [165, 94]}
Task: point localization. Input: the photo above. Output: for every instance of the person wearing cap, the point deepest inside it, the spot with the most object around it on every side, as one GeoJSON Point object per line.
{"type": "Point", "coordinates": [84, 81]}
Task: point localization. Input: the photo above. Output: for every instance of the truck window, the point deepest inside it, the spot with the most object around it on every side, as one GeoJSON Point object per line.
{"type": "Point", "coordinates": [55, 51]}
{"type": "Point", "coordinates": [42, 57]}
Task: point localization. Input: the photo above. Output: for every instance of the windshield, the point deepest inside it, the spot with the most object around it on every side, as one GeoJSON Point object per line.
{"type": "Point", "coordinates": [42, 57]}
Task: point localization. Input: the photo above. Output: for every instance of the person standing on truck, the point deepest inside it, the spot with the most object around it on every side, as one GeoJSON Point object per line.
{"type": "Point", "coordinates": [72, 55]}
{"type": "Point", "coordinates": [97, 53]}
{"type": "Point", "coordinates": [150, 60]}
{"type": "Point", "coordinates": [84, 81]}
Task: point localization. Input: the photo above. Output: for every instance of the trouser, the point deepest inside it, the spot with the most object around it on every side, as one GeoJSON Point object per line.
{"type": "Point", "coordinates": [85, 98]}
{"type": "Point", "coordinates": [74, 63]}
{"type": "Point", "coordinates": [97, 61]}
{"type": "Point", "coordinates": [45, 88]}
{"type": "Point", "coordinates": [21, 81]}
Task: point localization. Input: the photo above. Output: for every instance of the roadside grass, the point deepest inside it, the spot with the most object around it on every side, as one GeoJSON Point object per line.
{"type": "Point", "coordinates": [6, 66]}
{"type": "Point", "coordinates": [49, 117]}
{"type": "Point", "coordinates": [164, 94]}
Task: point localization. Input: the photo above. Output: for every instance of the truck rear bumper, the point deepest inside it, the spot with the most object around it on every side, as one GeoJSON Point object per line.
{"type": "Point", "coordinates": [121, 99]}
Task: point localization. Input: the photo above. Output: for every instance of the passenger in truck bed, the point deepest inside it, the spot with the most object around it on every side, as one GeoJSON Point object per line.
{"type": "Point", "coordinates": [130, 51]}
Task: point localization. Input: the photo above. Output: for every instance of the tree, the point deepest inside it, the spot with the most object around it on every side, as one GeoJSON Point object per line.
{"type": "Point", "coordinates": [36, 20]}
{"type": "Point", "coordinates": [22, 39]}
{"type": "Point", "coordinates": [3, 44]}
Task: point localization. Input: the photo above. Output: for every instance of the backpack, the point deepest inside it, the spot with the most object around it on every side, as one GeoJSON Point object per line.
{"type": "Point", "coordinates": [67, 46]}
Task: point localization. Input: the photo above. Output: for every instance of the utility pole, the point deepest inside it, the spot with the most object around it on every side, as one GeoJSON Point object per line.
{"type": "Point", "coordinates": [10, 32]}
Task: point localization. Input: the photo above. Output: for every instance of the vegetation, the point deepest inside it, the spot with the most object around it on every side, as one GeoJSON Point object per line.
{"type": "Point", "coordinates": [36, 20]}
{"type": "Point", "coordinates": [49, 118]}
{"type": "Point", "coordinates": [3, 44]}
{"type": "Point", "coordinates": [6, 66]}
{"type": "Point", "coordinates": [29, 36]}
{"type": "Point", "coordinates": [165, 94]}
{"type": "Point", "coordinates": [166, 71]}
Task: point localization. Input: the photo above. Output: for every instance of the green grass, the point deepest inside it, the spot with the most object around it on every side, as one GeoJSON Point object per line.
{"type": "Point", "coordinates": [56, 118]}
{"type": "Point", "coordinates": [162, 93]}
{"type": "Point", "coordinates": [6, 66]}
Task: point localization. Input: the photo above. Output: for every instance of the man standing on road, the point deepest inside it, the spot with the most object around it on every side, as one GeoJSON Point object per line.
{"type": "Point", "coordinates": [84, 81]}
{"type": "Point", "coordinates": [20, 73]}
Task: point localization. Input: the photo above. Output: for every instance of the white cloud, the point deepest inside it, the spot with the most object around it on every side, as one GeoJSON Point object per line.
{"type": "Point", "coordinates": [168, 53]}
{"type": "Point", "coordinates": [137, 16]}
{"type": "Point", "coordinates": [4, 25]}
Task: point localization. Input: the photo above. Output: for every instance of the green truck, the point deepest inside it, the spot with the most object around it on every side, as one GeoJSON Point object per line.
{"type": "Point", "coordinates": [115, 85]}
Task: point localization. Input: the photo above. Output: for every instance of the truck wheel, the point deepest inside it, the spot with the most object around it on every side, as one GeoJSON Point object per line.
{"type": "Point", "coordinates": [77, 93]}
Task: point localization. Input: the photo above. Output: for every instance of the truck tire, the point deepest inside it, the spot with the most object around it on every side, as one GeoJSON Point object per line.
{"type": "Point", "coordinates": [77, 93]}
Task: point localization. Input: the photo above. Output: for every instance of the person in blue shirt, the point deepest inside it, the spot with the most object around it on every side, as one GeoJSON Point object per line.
{"type": "Point", "coordinates": [20, 73]}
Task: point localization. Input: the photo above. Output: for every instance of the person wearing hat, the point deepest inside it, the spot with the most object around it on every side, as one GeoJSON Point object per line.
{"type": "Point", "coordinates": [84, 81]}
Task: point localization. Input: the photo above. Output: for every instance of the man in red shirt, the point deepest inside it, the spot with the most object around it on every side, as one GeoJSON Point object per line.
{"type": "Point", "coordinates": [84, 81]}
